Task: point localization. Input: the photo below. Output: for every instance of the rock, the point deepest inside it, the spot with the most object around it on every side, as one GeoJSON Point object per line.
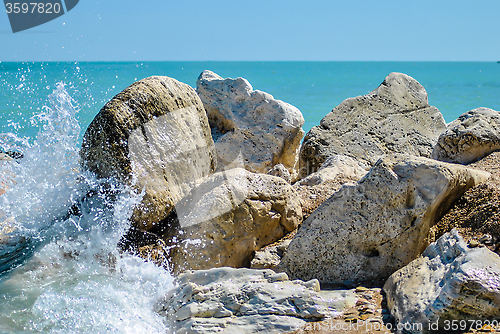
{"type": "Point", "coordinates": [228, 300]}
{"type": "Point", "coordinates": [332, 168]}
{"type": "Point", "coordinates": [281, 171]}
{"type": "Point", "coordinates": [368, 231]}
{"type": "Point", "coordinates": [270, 256]}
{"type": "Point", "coordinates": [230, 216]}
{"type": "Point", "coordinates": [13, 245]}
{"type": "Point", "coordinates": [5, 157]}
{"type": "Point", "coordinates": [448, 283]}
{"type": "Point", "coordinates": [477, 212]}
{"type": "Point", "coordinates": [470, 137]}
{"type": "Point", "coordinates": [331, 176]}
{"type": "Point", "coordinates": [394, 118]}
{"type": "Point", "coordinates": [155, 136]}
{"type": "Point", "coordinates": [250, 123]}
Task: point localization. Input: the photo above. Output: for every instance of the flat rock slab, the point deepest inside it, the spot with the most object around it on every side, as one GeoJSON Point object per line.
{"type": "Point", "coordinates": [367, 231]}
{"type": "Point", "coordinates": [250, 126]}
{"type": "Point", "coordinates": [227, 300]}
{"type": "Point", "coordinates": [155, 136]}
{"type": "Point", "coordinates": [470, 137]}
{"type": "Point", "coordinates": [394, 118]}
{"type": "Point", "coordinates": [449, 284]}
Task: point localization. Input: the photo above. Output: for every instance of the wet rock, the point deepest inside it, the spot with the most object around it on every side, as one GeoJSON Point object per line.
{"type": "Point", "coordinates": [449, 282]}
{"type": "Point", "coordinates": [231, 300]}
{"type": "Point", "coordinates": [250, 125]}
{"type": "Point", "coordinates": [5, 157]}
{"type": "Point", "coordinates": [470, 137]}
{"type": "Point", "coordinates": [394, 118]}
{"type": "Point", "coordinates": [230, 216]}
{"type": "Point", "coordinates": [13, 244]}
{"type": "Point", "coordinates": [155, 136]}
{"type": "Point", "coordinates": [368, 231]}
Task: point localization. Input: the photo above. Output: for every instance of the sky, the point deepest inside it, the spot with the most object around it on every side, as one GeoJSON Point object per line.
{"type": "Point", "coordinates": [270, 30]}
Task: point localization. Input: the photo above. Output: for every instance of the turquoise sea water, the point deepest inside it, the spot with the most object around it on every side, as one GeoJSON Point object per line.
{"type": "Point", "coordinates": [61, 270]}
{"type": "Point", "coordinates": [313, 87]}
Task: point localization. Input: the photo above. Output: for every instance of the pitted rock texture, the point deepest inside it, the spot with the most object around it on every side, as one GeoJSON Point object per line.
{"type": "Point", "coordinates": [449, 282]}
{"type": "Point", "coordinates": [227, 300]}
{"type": "Point", "coordinates": [155, 136]}
{"type": "Point", "coordinates": [250, 126]}
{"type": "Point", "coordinates": [336, 171]}
{"type": "Point", "coordinates": [229, 216]}
{"type": "Point", "coordinates": [365, 232]}
{"type": "Point", "coordinates": [394, 118]}
{"type": "Point", "coordinates": [470, 137]}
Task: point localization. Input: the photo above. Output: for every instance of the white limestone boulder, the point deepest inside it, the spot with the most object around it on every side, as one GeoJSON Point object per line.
{"type": "Point", "coordinates": [229, 216]}
{"type": "Point", "coordinates": [367, 231]}
{"type": "Point", "coordinates": [470, 137]}
{"type": "Point", "coordinates": [394, 118]}
{"type": "Point", "coordinates": [449, 285]}
{"type": "Point", "coordinates": [250, 123]}
{"type": "Point", "coordinates": [154, 136]}
{"type": "Point", "coordinates": [227, 300]}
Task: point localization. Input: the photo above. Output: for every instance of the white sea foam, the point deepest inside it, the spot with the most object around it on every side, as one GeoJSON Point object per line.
{"type": "Point", "coordinates": [72, 277]}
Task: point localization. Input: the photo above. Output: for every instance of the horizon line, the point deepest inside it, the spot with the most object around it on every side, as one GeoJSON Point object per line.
{"type": "Point", "coordinates": [250, 61]}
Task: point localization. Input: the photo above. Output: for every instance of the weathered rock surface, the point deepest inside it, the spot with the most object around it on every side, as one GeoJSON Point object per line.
{"type": "Point", "coordinates": [368, 231]}
{"type": "Point", "coordinates": [330, 177]}
{"type": "Point", "coordinates": [154, 135]}
{"type": "Point", "coordinates": [250, 124]}
{"type": "Point", "coordinates": [280, 171]}
{"type": "Point", "coordinates": [448, 282]}
{"type": "Point", "coordinates": [227, 300]}
{"type": "Point", "coordinates": [269, 257]}
{"type": "Point", "coordinates": [476, 215]}
{"type": "Point", "coordinates": [394, 118]}
{"type": "Point", "coordinates": [334, 167]}
{"type": "Point", "coordinates": [230, 216]}
{"type": "Point", "coordinates": [470, 137]}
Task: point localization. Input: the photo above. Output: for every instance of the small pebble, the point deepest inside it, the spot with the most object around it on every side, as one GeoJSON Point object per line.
{"type": "Point", "coordinates": [361, 289]}
{"type": "Point", "coordinates": [473, 243]}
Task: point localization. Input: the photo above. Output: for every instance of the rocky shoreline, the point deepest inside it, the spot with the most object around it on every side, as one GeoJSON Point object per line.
{"type": "Point", "coordinates": [384, 215]}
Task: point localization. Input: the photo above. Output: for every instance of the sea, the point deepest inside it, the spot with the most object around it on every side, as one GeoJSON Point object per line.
{"type": "Point", "coordinates": [61, 270]}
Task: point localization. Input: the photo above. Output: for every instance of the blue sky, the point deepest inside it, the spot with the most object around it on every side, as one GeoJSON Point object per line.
{"type": "Point", "coordinates": [165, 30]}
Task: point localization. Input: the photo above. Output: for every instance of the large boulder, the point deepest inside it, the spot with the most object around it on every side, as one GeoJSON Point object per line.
{"type": "Point", "coordinates": [227, 300]}
{"type": "Point", "coordinates": [228, 217]}
{"type": "Point", "coordinates": [155, 136]}
{"type": "Point", "coordinates": [394, 118]}
{"type": "Point", "coordinates": [250, 124]}
{"type": "Point", "coordinates": [470, 137]}
{"type": "Point", "coordinates": [367, 231]}
{"type": "Point", "coordinates": [449, 285]}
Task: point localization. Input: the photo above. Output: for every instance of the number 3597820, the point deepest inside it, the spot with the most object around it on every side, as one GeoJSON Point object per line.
{"type": "Point", "coordinates": [32, 7]}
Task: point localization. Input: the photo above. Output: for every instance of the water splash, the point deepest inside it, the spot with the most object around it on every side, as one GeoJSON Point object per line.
{"type": "Point", "coordinates": [67, 274]}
